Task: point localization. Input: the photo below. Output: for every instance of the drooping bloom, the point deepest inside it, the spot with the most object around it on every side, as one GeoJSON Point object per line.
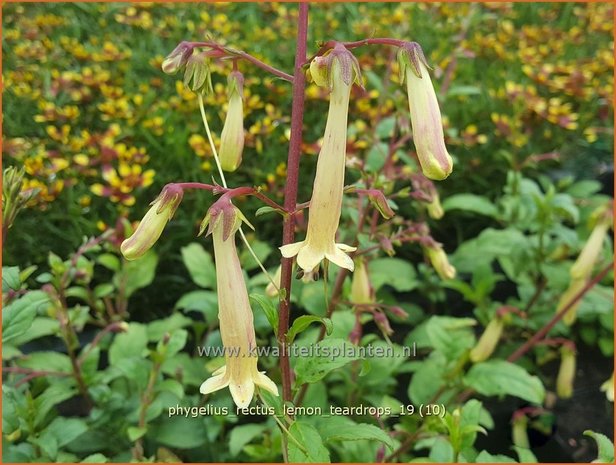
{"type": "Point", "coordinates": [178, 58]}
{"type": "Point", "coordinates": [440, 262]}
{"type": "Point", "coordinates": [240, 372]}
{"type": "Point", "coordinates": [232, 137]}
{"type": "Point", "coordinates": [341, 70]}
{"type": "Point", "coordinates": [361, 289]}
{"type": "Point", "coordinates": [151, 227]}
{"type": "Point", "coordinates": [566, 372]}
{"type": "Point", "coordinates": [608, 388]}
{"type": "Point", "coordinates": [581, 270]}
{"type": "Point", "coordinates": [488, 340]}
{"type": "Point", "coordinates": [435, 161]}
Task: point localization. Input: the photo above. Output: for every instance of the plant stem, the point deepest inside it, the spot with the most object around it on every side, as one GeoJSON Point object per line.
{"type": "Point", "coordinates": [246, 56]}
{"type": "Point", "coordinates": [550, 324]}
{"type": "Point", "coordinates": [290, 196]}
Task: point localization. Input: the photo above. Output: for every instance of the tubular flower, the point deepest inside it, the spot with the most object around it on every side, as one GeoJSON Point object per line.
{"type": "Point", "coordinates": [608, 388]}
{"type": "Point", "coordinates": [425, 113]}
{"type": "Point", "coordinates": [361, 289]}
{"type": "Point", "coordinates": [581, 270]}
{"type": "Point", "coordinates": [177, 59]}
{"type": "Point", "coordinates": [151, 227]}
{"type": "Point", "coordinates": [240, 372]}
{"type": "Point", "coordinates": [566, 373]}
{"type": "Point", "coordinates": [438, 258]}
{"type": "Point", "coordinates": [232, 137]}
{"type": "Point", "coordinates": [488, 340]}
{"type": "Point", "coordinates": [338, 69]}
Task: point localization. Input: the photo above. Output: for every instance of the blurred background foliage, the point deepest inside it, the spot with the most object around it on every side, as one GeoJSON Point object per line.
{"type": "Point", "coordinates": [526, 92]}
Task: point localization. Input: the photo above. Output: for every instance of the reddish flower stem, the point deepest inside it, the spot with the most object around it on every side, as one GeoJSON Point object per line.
{"type": "Point", "coordinates": [230, 52]}
{"type": "Point", "coordinates": [290, 196]}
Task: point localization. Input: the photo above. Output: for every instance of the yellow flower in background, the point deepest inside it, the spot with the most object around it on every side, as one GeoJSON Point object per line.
{"type": "Point", "coordinates": [232, 136]}
{"type": "Point", "coordinates": [426, 121]}
{"type": "Point", "coordinates": [326, 203]}
{"type": "Point", "coordinates": [566, 372]}
{"type": "Point", "coordinates": [240, 372]}
{"type": "Point", "coordinates": [361, 289]}
{"type": "Point", "coordinates": [608, 388]}
{"type": "Point", "coordinates": [488, 340]}
{"type": "Point", "coordinates": [153, 223]}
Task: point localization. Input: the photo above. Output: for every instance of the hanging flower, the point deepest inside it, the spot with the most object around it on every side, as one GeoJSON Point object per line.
{"type": "Point", "coordinates": [177, 59]}
{"type": "Point", "coordinates": [152, 225]}
{"type": "Point", "coordinates": [232, 137]}
{"type": "Point", "coordinates": [581, 270]}
{"type": "Point", "coordinates": [608, 388]}
{"type": "Point", "coordinates": [566, 372]}
{"type": "Point", "coordinates": [439, 260]}
{"type": "Point", "coordinates": [339, 69]}
{"type": "Point", "coordinates": [361, 289]}
{"type": "Point", "coordinates": [435, 161]}
{"type": "Point", "coordinates": [488, 340]}
{"type": "Point", "coordinates": [240, 372]}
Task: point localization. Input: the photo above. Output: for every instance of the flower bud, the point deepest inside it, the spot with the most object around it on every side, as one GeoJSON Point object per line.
{"type": "Point", "coordinates": [435, 210]}
{"type": "Point", "coordinates": [566, 373]}
{"type": "Point", "coordinates": [425, 113]}
{"type": "Point", "coordinates": [439, 261]}
{"type": "Point", "coordinates": [582, 268]}
{"type": "Point", "coordinates": [519, 432]}
{"type": "Point", "coordinates": [488, 340]}
{"type": "Point", "coordinates": [177, 59]}
{"type": "Point", "coordinates": [382, 322]}
{"type": "Point", "coordinates": [198, 73]}
{"type": "Point", "coordinates": [151, 226]}
{"type": "Point", "coordinates": [608, 388]}
{"type": "Point", "coordinates": [232, 137]}
{"type": "Point", "coordinates": [361, 290]}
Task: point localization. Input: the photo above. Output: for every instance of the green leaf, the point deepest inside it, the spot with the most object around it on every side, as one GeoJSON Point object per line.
{"type": "Point", "coordinates": [394, 272]}
{"type": "Point", "coordinates": [327, 355]}
{"type": "Point", "coordinates": [131, 343]}
{"type": "Point", "coordinates": [205, 302]}
{"type": "Point", "coordinates": [242, 435]}
{"type": "Point", "coordinates": [261, 249]}
{"type": "Point", "coordinates": [173, 386]}
{"type": "Point", "coordinates": [470, 202]}
{"type": "Point", "coordinates": [312, 449]}
{"type": "Point", "coordinates": [463, 91]}
{"type": "Point", "coordinates": [157, 329]}
{"type": "Point", "coordinates": [442, 451]}
{"type": "Point", "coordinates": [265, 210]}
{"type": "Point", "coordinates": [344, 429]}
{"type": "Point", "coordinates": [66, 430]}
{"type": "Point", "coordinates": [103, 290]}
{"type": "Point", "coordinates": [41, 326]}
{"type": "Point", "coordinates": [486, 457]}
{"type": "Point", "coordinates": [135, 432]}
{"type": "Point", "coordinates": [95, 458]}
{"type": "Point", "coordinates": [451, 336]}
{"type": "Point", "coordinates": [268, 308]}
{"type": "Point", "coordinates": [177, 341]}
{"type": "Point", "coordinates": [376, 157]}
{"type": "Point", "coordinates": [302, 322]}
{"type": "Point", "coordinates": [10, 278]}
{"type": "Point", "coordinates": [47, 360]}
{"type": "Point", "coordinates": [498, 377]}
{"type": "Point", "coordinates": [109, 261]}
{"type": "Point", "coordinates": [200, 265]}
{"type": "Point", "coordinates": [179, 432]}
{"type": "Point", "coordinates": [137, 273]}
{"type": "Point", "coordinates": [17, 317]}
{"type": "Point", "coordinates": [605, 446]}
{"type": "Point", "coordinates": [52, 396]}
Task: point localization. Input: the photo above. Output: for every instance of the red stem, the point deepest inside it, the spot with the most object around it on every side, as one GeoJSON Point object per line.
{"type": "Point", "coordinates": [539, 335]}
{"type": "Point", "coordinates": [290, 196]}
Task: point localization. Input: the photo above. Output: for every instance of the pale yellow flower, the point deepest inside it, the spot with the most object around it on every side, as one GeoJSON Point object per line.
{"type": "Point", "coordinates": [232, 136]}
{"type": "Point", "coordinates": [566, 372]}
{"type": "Point", "coordinates": [488, 340]}
{"type": "Point", "coordinates": [440, 262]}
{"type": "Point", "coordinates": [240, 372]}
{"type": "Point", "coordinates": [361, 289]}
{"type": "Point", "coordinates": [608, 388]}
{"type": "Point", "coordinates": [153, 223]}
{"type": "Point", "coordinates": [426, 122]}
{"type": "Point", "coordinates": [326, 203]}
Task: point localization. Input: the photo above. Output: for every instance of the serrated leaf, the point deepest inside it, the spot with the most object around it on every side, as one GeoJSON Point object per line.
{"type": "Point", "coordinates": [312, 449]}
{"type": "Point", "coordinates": [17, 317]}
